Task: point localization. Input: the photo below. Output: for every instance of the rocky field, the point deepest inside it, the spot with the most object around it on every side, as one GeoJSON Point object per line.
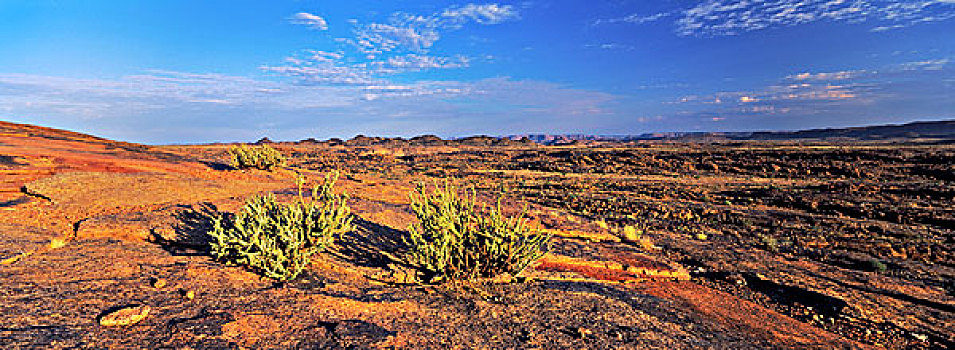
{"type": "Point", "coordinates": [739, 244]}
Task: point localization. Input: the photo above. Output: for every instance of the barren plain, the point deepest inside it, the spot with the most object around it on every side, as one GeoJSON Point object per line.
{"type": "Point", "coordinates": [745, 244]}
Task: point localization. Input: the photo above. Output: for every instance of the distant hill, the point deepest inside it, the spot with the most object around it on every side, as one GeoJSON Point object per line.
{"type": "Point", "coordinates": [930, 130]}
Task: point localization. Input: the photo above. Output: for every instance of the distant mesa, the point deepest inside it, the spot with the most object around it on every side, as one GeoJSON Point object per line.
{"type": "Point", "coordinates": [335, 141]}
{"type": "Point", "coordinates": [427, 140]}
{"type": "Point", "coordinates": [422, 140]}
{"type": "Point", "coordinates": [310, 140]}
{"type": "Point", "coordinates": [362, 140]}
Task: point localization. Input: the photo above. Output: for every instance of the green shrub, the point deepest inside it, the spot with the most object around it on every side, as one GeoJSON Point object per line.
{"type": "Point", "coordinates": [454, 240]}
{"type": "Point", "coordinates": [262, 157]}
{"type": "Point", "coordinates": [276, 239]}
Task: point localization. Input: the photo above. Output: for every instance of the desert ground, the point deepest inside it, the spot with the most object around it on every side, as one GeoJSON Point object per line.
{"type": "Point", "coordinates": [745, 244]}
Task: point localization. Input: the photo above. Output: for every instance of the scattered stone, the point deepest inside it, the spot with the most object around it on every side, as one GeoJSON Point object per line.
{"type": "Point", "coordinates": [159, 282]}
{"type": "Point", "coordinates": [632, 234]}
{"type": "Point", "coordinates": [647, 245]}
{"type": "Point", "coordinates": [125, 316]}
{"type": "Point", "coordinates": [57, 243]}
{"type": "Point", "coordinates": [189, 294]}
{"type": "Point", "coordinates": [584, 332]}
{"type": "Point", "coordinates": [737, 279]}
{"type": "Point", "coordinates": [602, 224]}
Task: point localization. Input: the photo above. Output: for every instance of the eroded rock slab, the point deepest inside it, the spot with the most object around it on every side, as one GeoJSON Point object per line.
{"type": "Point", "coordinates": [111, 190]}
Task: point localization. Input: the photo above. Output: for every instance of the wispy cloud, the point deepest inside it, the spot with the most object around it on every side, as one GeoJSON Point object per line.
{"type": "Point", "coordinates": [635, 18]}
{"type": "Point", "coordinates": [731, 17]}
{"type": "Point", "coordinates": [611, 46]}
{"type": "Point", "coordinates": [923, 87]}
{"type": "Point", "coordinates": [417, 33]}
{"type": "Point", "coordinates": [936, 64]}
{"type": "Point", "coordinates": [156, 90]}
{"type": "Point", "coordinates": [725, 17]}
{"type": "Point", "coordinates": [310, 20]}
{"type": "Point", "coordinates": [484, 14]}
{"type": "Point", "coordinates": [827, 76]}
{"type": "Point", "coordinates": [204, 107]}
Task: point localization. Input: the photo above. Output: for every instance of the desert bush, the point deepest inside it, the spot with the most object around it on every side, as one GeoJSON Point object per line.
{"type": "Point", "coordinates": [277, 239]}
{"type": "Point", "coordinates": [632, 234]}
{"type": "Point", "coordinates": [769, 243]}
{"type": "Point", "coordinates": [262, 157]}
{"type": "Point", "coordinates": [456, 240]}
{"type": "Point", "coordinates": [876, 265]}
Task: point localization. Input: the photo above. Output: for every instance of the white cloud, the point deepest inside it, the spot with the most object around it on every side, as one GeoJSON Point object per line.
{"type": "Point", "coordinates": [325, 56]}
{"type": "Point", "coordinates": [399, 45]}
{"type": "Point", "coordinates": [310, 20]}
{"type": "Point", "coordinates": [325, 73]}
{"type": "Point", "coordinates": [414, 62]}
{"type": "Point", "coordinates": [377, 38]}
{"type": "Point", "coordinates": [319, 67]}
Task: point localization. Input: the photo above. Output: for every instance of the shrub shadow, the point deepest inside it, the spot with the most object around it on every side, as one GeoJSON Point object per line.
{"type": "Point", "coordinates": [189, 234]}
{"type": "Point", "coordinates": [371, 245]}
{"type": "Point", "coordinates": [218, 166]}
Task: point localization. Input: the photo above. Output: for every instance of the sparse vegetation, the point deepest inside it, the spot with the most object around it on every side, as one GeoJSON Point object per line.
{"type": "Point", "coordinates": [456, 240]}
{"type": "Point", "coordinates": [277, 239]}
{"type": "Point", "coordinates": [262, 157]}
{"type": "Point", "coordinates": [769, 243]}
{"type": "Point", "coordinates": [876, 265]}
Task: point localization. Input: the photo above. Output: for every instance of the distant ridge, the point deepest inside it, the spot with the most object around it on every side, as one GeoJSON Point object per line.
{"type": "Point", "coordinates": [936, 130]}
{"type": "Point", "coordinates": [929, 130]}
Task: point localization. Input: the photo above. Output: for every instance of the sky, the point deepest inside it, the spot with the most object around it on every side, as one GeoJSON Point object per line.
{"type": "Point", "coordinates": [191, 71]}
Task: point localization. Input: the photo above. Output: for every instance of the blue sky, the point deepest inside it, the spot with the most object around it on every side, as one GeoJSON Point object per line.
{"type": "Point", "coordinates": [202, 71]}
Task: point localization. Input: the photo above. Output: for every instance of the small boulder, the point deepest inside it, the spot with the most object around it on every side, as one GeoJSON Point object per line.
{"type": "Point", "coordinates": [158, 282]}
{"type": "Point", "coordinates": [125, 316]}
